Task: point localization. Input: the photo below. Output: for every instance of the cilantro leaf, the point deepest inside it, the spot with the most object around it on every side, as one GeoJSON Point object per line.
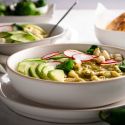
{"type": "Point", "coordinates": [91, 49]}
{"type": "Point", "coordinates": [66, 66]}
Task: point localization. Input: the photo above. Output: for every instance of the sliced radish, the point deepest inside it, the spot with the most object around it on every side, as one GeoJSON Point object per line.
{"type": "Point", "coordinates": [6, 28]}
{"type": "Point", "coordinates": [110, 61]}
{"type": "Point", "coordinates": [82, 57]}
{"type": "Point", "coordinates": [50, 55]}
{"type": "Point", "coordinates": [70, 52]}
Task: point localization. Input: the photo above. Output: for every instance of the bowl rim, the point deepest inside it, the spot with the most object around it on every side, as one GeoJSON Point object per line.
{"type": "Point", "coordinates": [64, 83]}
{"type": "Point", "coordinates": [105, 30]}
{"type": "Point", "coordinates": [37, 41]}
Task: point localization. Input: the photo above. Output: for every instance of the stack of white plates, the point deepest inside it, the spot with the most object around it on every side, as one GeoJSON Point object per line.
{"type": "Point", "coordinates": [38, 111]}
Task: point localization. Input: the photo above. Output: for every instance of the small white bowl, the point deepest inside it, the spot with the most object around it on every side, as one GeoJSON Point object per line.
{"type": "Point", "coordinates": [10, 48]}
{"type": "Point", "coordinates": [65, 95]}
{"type": "Point", "coordinates": [113, 38]}
{"type": "Point", "coordinates": [108, 37]}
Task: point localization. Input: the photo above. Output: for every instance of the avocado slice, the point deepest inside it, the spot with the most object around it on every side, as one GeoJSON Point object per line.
{"type": "Point", "coordinates": [28, 64]}
{"type": "Point", "coordinates": [22, 37]}
{"type": "Point", "coordinates": [39, 69]}
{"type": "Point", "coordinates": [32, 70]}
{"type": "Point", "coordinates": [57, 75]}
{"type": "Point", "coordinates": [23, 68]}
{"type": "Point", "coordinates": [39, 60]}
{"type": "Point", "coordinates": [45, 71]}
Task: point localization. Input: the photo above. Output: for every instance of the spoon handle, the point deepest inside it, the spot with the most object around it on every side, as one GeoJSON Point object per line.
{"type": "Point", "coordinates": [51, 31]}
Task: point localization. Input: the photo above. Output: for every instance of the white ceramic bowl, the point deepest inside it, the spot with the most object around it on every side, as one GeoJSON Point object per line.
{"type": "Point", "coordinates": [113, 38]}
{"type": "Point", "coordinates": [103, 18]}
{"type": "Point", "coordinates": [71, 95]}
{"type": "Point", "coordinates": [10, 48]}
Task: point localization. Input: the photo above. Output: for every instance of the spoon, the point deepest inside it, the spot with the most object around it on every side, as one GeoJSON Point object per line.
{"type": "Point", "coordinates": [53, 28]}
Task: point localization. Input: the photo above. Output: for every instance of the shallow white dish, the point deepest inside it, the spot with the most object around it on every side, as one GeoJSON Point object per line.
{"type": "Point", "coordinates": [113, 38]}
{"type": "Point", "coordinates": [108, 37]}
{"type": "Point", "coordinates": [32, 19]}
{"type": "Point", "coordinates": [10, 48]}
{"type": "Point", "coordinates": [70, 95]}
{"type": "Point", "coordinates": [46, 113]}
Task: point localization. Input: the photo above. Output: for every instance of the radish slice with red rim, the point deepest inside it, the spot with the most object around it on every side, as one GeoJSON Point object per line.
{"type": "Point", "coordinates": [110, 61]}
{"type": "Point", "coordinates": [70, 52]}
{"type": "Point", "coordinates": [50, 55]}
{"type": "Point", "coordinates": [82, 57]}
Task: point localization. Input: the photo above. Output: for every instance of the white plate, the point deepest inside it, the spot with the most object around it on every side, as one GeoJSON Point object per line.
{"type": "Point", "coordinates": [34, 19]}
{"type": "Point", "coordinates": [46, 113]}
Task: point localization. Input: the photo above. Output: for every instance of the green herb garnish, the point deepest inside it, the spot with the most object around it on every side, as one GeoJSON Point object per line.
{"type": "Point", "coordinates": [66, 66]}
{"type": "Point", "coordinates": [17, 27]}
{"type": "Point", "coordinates": [114, 116]}
{"type": "Point", "coordinates": [91, 49]}
{"type": "Point", "coordinates": [122, 66]}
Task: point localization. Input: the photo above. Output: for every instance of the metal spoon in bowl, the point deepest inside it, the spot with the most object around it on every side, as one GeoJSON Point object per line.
{"type": "Point", "coordinates": [53, 28]}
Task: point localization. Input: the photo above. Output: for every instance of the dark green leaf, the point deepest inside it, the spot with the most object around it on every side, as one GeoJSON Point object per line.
{"type": "Point", "coordinates": [123, 62]}
{"type": "Point", "coordinates": [122, 66]}
{"type": "Point", "coordinates": [17, 27]}
{"type": "Point", "coordinates": [4, 34]}
{"type": "Point", "coordinates": [91, 49]}
{"type": "Point", "coordinates": [40, 3]}
{"type": "Point", "coordinates": [66, 66]}
{"type": "Point", "coordinates": [114, 116]}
